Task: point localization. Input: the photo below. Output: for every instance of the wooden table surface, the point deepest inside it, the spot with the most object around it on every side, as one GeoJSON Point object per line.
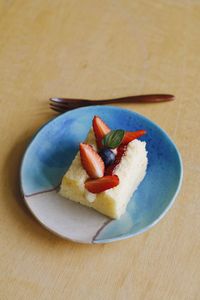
{"type": "Point", "coordinates": [99, 49]}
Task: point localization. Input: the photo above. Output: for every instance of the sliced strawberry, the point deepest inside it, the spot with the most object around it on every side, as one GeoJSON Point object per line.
{"type": "Point", "coordinates": [102, 184]}
{"type": "Point", "coordinates": [110, 170]}
{"type": "Point", "coordinates": [132, 135]}
{"type": "Point", "coordinates": [100, 130]}
{"type": "Point", "coordinates": [91, 161]}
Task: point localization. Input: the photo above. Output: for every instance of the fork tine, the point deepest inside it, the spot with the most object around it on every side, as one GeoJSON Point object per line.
{"type": "Point", "coordinates": [68, 100]}
{"type": "Point", "coordinates": [60, 108]}
{"type": "Point", "coordinates": [64, 105]}
{"type": "Point", "coordinates": [57, 110]}
{"type": "Point", "coordinates": [70, 103]}
{"type": "Point", "coordinates": [57, 100]}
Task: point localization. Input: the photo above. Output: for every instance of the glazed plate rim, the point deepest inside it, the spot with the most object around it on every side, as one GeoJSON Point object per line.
{"type": "Point", "coordinates": [121, 236]}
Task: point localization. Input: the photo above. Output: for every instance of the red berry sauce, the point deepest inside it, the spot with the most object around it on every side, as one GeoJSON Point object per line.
{"type": "Point", "coordinates": [110, 170]}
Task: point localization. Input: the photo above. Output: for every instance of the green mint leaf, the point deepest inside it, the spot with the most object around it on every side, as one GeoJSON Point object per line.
{"type": "Point", "coordinates": [113, 139]}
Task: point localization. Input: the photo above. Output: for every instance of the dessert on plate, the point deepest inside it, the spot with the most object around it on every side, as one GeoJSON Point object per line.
{"type": "Point", "coordinates": [107, 169]}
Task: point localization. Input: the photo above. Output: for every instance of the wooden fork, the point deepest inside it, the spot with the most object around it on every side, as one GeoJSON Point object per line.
{"type": "Point", "coordinates": [64, 104]}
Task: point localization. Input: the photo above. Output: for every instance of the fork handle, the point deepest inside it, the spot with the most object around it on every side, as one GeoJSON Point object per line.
{"type": "Point", "coordinates": [151, 98]}
{"type": "Point", "coordinates": [139, 98]}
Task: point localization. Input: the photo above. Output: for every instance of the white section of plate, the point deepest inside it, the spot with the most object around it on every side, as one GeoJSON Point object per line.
{"type": "Point", "coordinates": [66, 218]}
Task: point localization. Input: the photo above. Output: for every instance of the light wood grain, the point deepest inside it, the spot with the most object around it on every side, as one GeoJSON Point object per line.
{"type": "Point", "coordinates": [99, 49]}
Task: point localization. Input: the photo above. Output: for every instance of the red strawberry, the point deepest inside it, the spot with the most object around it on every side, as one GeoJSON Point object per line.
{"type": "Point", "coordinates": [120, 153]}
{"type": "Point", "coordinates": [100, 130]}
{"type": "Point", "coordinates": [91, 161]}
{"type": "Point", "coordinates": [132, 135]}
{"type": "Point", "coordinates": [102, 184]}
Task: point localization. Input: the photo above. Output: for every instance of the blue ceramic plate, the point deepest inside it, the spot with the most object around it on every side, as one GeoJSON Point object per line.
{"type": "Point", "coordinates": [50, 154]}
